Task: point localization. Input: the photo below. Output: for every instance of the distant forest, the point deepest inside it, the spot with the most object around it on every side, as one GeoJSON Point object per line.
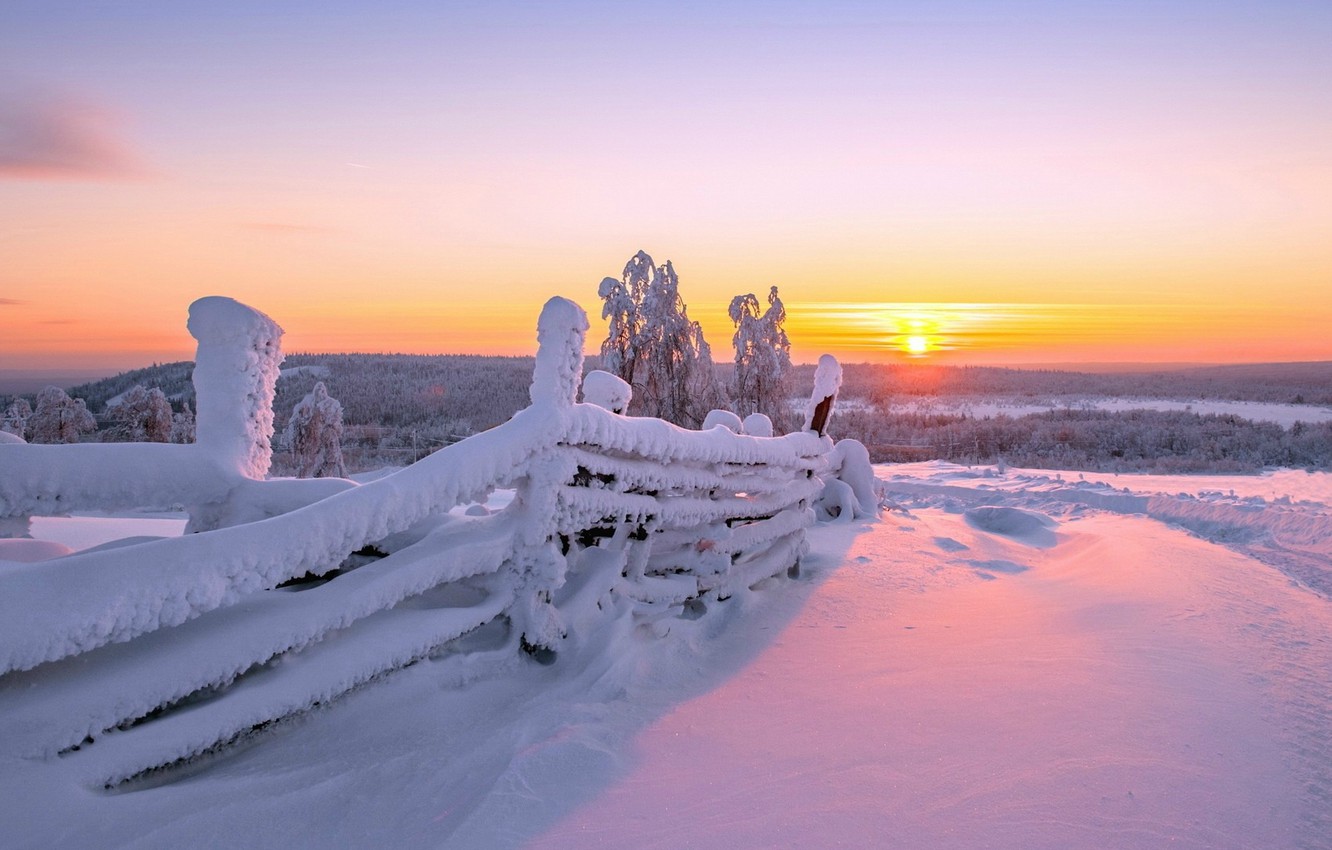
{"type": "Point", "coordinates": [402, 407]}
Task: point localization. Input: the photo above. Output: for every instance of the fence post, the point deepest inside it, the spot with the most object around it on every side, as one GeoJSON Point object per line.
{"type": "Point", "coordinates": [235, 378]}
{"type": "Point", "coordinates": [559, 360]}
{"type": "Point", "coordinates": [827, 381]}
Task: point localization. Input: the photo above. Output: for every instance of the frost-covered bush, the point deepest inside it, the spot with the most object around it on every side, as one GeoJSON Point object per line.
{"type": "Point", "coordinates": [140, 416]}
{"type": "Point", "coordinates": [606, 391]}
{"type": "Point", "coordinates": [654, 346]}
{"type": "Point", "coordinates": [724, 418]}
{"type": "Point", "coordinates": [16, 417]}
{"type": "Point", "coordinates": [757, 425]}
{"type": "Point", "coordinates": [59, 418]}
{"type": "Point", "coordinates": [762, 357]}
{"type": "Point", "coordinates": [182, 425]}
{"type": "Point", "coordinates": [314, 435]}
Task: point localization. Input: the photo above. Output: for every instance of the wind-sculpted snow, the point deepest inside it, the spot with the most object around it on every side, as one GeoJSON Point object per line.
{"type": "Point", "coordinates": [1293, 531]}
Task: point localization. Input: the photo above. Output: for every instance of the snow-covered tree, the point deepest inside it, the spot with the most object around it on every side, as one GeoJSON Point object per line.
{"type": "Point", "coordinates": [762, 357]}
{"type": "Point", "coordinates": [182, 425]}
{"type": "Point", "coordinates": [59, 418]}
{"type": "Point", "coordinates": [654, 347]}
{"type": "Point", "coordinates": [16, 417]}
{"type": "Point", "coordinates": [314, 435]}
{"type": "Point", "coordinates": [141, 416]}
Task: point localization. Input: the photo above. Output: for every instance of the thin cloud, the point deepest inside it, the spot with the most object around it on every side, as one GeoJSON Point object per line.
{"type": "Point", "coordinates": [62, 138]}
{"type": "Point", "coordinates": [11, 302]}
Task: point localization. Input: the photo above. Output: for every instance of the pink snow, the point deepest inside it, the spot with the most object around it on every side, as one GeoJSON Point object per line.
{"type": "Point", "coordinates": [1127, 687]}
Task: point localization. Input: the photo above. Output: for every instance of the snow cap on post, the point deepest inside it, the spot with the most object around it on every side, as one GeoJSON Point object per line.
{"type": "Point", "coordinates": [235, 377]}
{"type": "Point", "coordinates": [559, 360]}
{"type": "Point", "coordinates": [827, 381]}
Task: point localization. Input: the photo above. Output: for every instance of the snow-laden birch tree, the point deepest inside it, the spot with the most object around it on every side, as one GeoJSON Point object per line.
{"type": "Point", "coordinates": [762, 357]}
{"type": "Point", "coordinates": [654, 346]}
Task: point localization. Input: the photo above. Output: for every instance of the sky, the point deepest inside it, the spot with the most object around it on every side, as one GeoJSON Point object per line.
{"type": "Point", "coordinates": [979, 182]}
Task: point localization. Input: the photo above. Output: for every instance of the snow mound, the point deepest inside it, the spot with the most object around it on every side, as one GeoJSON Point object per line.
{"type": "Point", "coordinates": [1030, 527]}
{"type": "Point", "coordinates": [26, 551]}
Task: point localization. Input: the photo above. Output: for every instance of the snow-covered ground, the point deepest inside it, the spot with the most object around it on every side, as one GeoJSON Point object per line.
{"type": "Point", "coordinates": [1284, 415]}
{"type": "Point", "coordinates": [1021, 659]}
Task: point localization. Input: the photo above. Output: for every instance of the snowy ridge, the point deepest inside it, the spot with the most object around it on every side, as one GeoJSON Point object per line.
{"type": "Point", "coordinates": [127, 659]}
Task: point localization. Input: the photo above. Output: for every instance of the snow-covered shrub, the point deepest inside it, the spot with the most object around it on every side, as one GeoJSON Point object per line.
{"type": "Point", "coordinates": [59, 418]}
{"type": "Point", "coordinates": [757, 425]}
{"type": "Point", "coordinates": [314, 435]}
{"type": "Point", "coordinates": [762, 356]}
{"type": "Point", "coordinates": [725, 419]}
{"type": "Point", "coordinates": [606, 391]}
{"type": "Point", "coordinates": [141, 416]}
{"type": "Point", "coordinates": [182, 425]}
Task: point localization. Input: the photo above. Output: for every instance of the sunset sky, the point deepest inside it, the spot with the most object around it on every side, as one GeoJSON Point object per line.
{"type": "Point", "coordinates": [980, 182]}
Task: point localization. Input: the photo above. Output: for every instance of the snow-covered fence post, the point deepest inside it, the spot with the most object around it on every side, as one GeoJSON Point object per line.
{"type": "Point", "coordinates": [559, 361]}
{"type": "Point", "coordinates": [561, 330]}
{"type": "Point", "coordinates": [827, 381]}
{"type": "Point", "coordinates": [235, 378]}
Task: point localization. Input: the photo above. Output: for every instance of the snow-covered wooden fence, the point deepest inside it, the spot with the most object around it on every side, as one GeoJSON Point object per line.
{"type": "Point", "coordinates": [157, 652]}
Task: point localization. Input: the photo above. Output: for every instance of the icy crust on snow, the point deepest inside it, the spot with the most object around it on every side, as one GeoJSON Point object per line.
{"type": "Point", "coordinates": [55, 479]}
{"type": "Point", "coordinates": [235, 377]}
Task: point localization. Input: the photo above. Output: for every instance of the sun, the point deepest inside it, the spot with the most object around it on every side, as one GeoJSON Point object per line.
{"type": "Point", "coordinates": [917, 345]}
